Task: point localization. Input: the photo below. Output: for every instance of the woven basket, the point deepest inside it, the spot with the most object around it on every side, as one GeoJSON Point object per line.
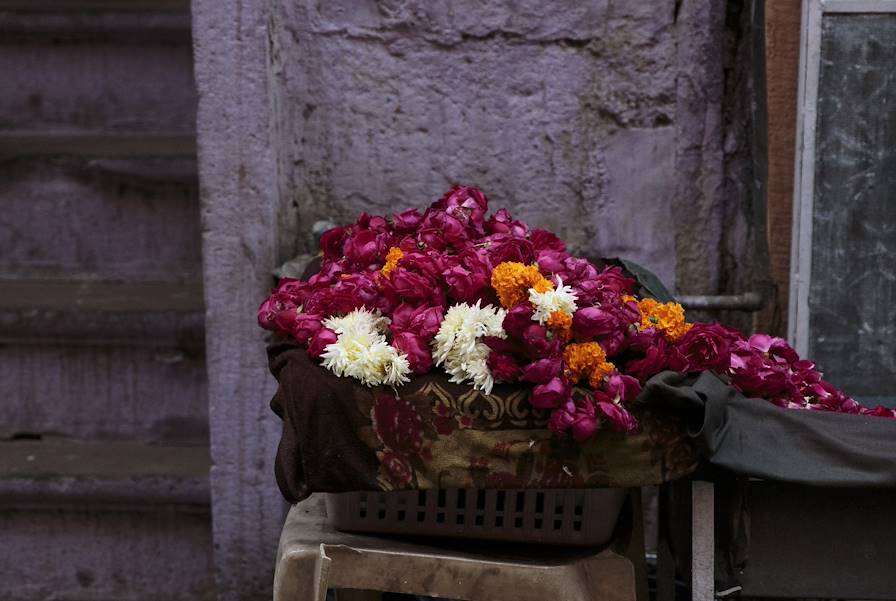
{"type": "Point", "coordinates": [564, 517]}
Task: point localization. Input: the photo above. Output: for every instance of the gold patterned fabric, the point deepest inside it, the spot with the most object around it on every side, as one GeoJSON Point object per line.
{"type": "Point", "coordinates": [430, 433]}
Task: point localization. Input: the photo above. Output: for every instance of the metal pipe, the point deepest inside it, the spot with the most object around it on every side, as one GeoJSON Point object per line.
{"type": "Point", "coordinates": [748, 301]}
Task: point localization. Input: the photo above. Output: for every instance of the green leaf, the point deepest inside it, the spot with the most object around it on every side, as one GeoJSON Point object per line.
{"type": "Point", "coordinates": [650, 284]}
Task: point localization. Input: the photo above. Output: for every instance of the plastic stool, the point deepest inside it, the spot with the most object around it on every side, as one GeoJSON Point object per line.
{"type": "Point", "coordinates": [312, 557]}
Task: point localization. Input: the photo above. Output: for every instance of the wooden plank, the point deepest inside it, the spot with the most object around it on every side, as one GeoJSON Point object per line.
{"type": "Point", "coordinates": [88, 6]}
{"type": "Point", "coordinates": [73, 327]}
{"type": "Point", "coordinates": [782, 35]}
{"type": "Point", "coordinates": [90, 295]}
{"type": "Point", "coordinates": [117, 225]}
{"type": "Point", "coordinates": [124, 28]}
{"type": "Point", "coordinates": [54, 472]}
{"type": "Point", "coordinates": [96, 143]}
{"type": "Point", "coordinates": [131, 390]}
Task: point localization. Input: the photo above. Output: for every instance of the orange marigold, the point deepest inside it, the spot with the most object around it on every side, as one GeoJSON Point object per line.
{"type": "Point", "coordinates": [394, 255]}
{"type": "Point", "coordinates": [582, 359]}
{"type": "Point", "coordinates": [597, 375]}
{"type": "Point", "coordinates": [561, 324]}
{"type": "Point", "coordinates": [668, 318]}
{"type": "Point", "coordinates": [512, 281]}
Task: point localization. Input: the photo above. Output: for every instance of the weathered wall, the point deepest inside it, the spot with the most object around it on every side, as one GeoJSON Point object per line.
{"type": "Point", "coordinates": [562, 112]}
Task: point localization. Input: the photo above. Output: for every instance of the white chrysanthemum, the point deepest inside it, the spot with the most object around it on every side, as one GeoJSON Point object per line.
{"type": "Point", "coordinates": [457, 348]}
{"type": "Point", "coordinates": [562, 298]}
{"type": "Point", "coordinates": [358, 321]}
{"type": "Point", "coordinates": [361, 350]}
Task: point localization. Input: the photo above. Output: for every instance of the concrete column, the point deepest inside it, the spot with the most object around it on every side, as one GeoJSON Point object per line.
{"type": "Point", "coordinates": [239, 235]}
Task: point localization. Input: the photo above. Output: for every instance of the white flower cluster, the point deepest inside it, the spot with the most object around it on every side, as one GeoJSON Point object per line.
{"type": "Point", "coordinates": [562, 298]}
{"type": "Point", "coordinates": [457, 347]}
{"type": "Point", "coordinates": [362, 352]}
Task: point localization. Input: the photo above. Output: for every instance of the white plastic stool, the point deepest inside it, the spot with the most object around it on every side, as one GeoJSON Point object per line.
{"type": "Point", "coordinates": [313, 557]}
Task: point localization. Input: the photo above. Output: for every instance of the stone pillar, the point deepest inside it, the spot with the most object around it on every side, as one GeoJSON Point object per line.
{"type": "Point", "coordinates": [239, 235]}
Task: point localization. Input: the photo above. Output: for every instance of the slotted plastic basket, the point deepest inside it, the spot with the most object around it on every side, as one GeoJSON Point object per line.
{"type": "Point", "coordinates": [563, 517]}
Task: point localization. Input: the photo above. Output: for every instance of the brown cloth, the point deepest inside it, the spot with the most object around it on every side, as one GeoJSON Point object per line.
{"type": "Point", "coordinates": [339, 436]}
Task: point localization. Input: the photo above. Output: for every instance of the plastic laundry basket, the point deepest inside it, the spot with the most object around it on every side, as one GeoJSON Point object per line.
{"type": "Point", "coordinates": [566, 517]}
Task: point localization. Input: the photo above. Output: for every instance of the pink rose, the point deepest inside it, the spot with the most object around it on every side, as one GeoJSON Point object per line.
{"type": "Point", "coordinates": [708, 347]}
{"type": "Point", "coordinates": [552, 262]}
{"type": "Point", "coordinates": [591, 322]}
{"type": "Point", "coordinates": [506, 247]}
{"type": "Point", "coordinates": [550, 395]}
{"type": "Point", "coordinates": [332, 240]}
{"type": "Point", "coordinates": [421, 321]}
{"type": "Point", "coordinates": [407, 221]}
{"type": "Point", "coordinates": [542, 370]}
{"type": "Point", "coordinates": [503, 366]}
{"type": "Point", "coordinates": [466, 204]}
{"type": "Point", "coordinates": [518, 319]}
{"type": "Point", "coordinates": [618, 417]}
{"type": "Point", "coordinates": [585, 422]}
{"type": "Point", "coordinates": [502, 223]}
{"type": "Point", "coordinates": [319, 342]}
{"type": "Point", "coordinates": [660, 356]}
{"type": "Point", "coordinates": [623, 387]}
{"type": "Point", "coordinates": [305, 326]}
{"type": "Point", "coordinates": [469, 278]}
{"type": "Point", "coordinates": [543, 240]}
{"type": "Point", "coordinates": [562, 417]}
{"type": "Point", "coordinates": [879, 411]}
{"type": "Point", "coordinates": [362, 249]}
{"type": "Point", "coordinates": [417, 350]}
{"type": "Point", "coordinates": [537, 343]}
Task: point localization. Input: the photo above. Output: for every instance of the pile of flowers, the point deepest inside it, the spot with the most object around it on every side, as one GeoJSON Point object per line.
{"type": "Point", "coordinates": [488, 299]}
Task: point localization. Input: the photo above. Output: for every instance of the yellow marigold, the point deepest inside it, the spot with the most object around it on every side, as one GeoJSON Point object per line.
{"type": "Point", "coordinates": [561, 324]}
{"type": "Point", "coordinates": [627, 298]}
{"type": "Point", "coordinates": [394, 255]}
{"type": "Point", "coordinates": [512, 281]}
{"type": "Point", "coordinates": [597, 375]}
{"type": "Point", "coordinates": [582, 359]}
{"type": "Point", "coordinates": [668, 318]}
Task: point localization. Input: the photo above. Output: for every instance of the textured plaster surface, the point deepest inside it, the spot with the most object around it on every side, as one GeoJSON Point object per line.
{"type": "Point", "coordinates": [562, 112]}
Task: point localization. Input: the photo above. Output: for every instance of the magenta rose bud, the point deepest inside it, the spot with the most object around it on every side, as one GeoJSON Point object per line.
{"type": "Point", "coordinates": [362, 248]}
{"type": "Point", "coordinates": [319, 342]}
{"type": "Point", "coordinates": [267, 313]}
{"type": "Point", "coordinates": [562, 417]}
{"type": "Point", "coordinates": [305, 326]}
{"type": "Point", "coordinates": [407, 221]}
{"type": "Point", "coordinates": [708, 347]}
{"type": "Point", "coordinates": [518, 319]}
{"type": "Point", "coordinates": [543, 240]}
{"type": "Point", "coordinates": [624, 387]}
{"type": "Point", "coordinates": [417, 350]}
{"type": "Point", "coordinates": [550, 395]}
{"type": "Point", "coordinates": [535, 339]}
{"type": "Point", "coordinates": [542, 370]}
{"type": "Point", "coordinates": [584, 427]}
{"type": "Point", "coordinates": [503, 367]}
{"type": "Point", "coordinates": [618, 418]}
{"type": "Point", "coordinates": [591, 322]}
